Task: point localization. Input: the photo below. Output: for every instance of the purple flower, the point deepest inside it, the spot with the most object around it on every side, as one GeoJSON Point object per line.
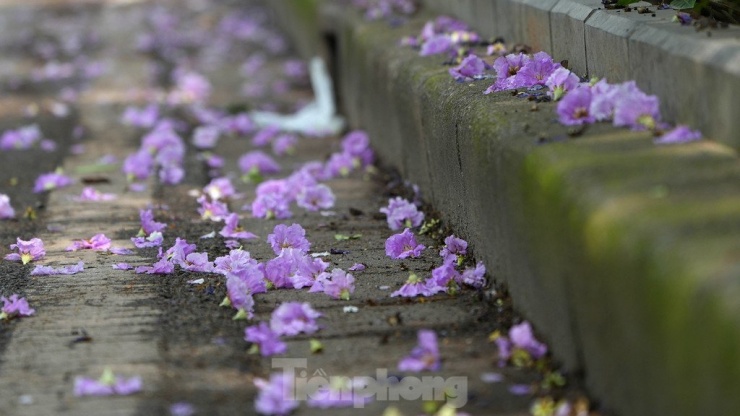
{"type": "Point", "coordinates": [315, 197]}
{"type": "Point", "coordinates": [336, 395]}
{"type": "Point", "coordinates": [445, 275]}
{"type": "Point", "coordinates": [219, 188]}
{"type": "Point", "coordinates": [148, 225]}
{"type": "Point", "coordinates": [20, 139]}
{"type": "Point", "coordinates": [239, 296]}
{"type": "Point", "coordinates": [51, 181]}
{"type": "Point", "coordinates": [684, 18]}
{"type": "Point", "coordinates": [293, 236]}
{"type": "Point", "coordinates": [276, 396]}
{"type": "Point", "coordinates": [182, 409]}
{"type": "Point", "coordinates": [162, 266]}
{"type": "Point", "coordinates": [437, 44]}
{"type": "Point", "coordinates": [355, 142]}
{"type": "Point", "coordinates": [265, 136]}
{"type": "Point", "coordinates": [340, 164]}
{"type": "Point", "coordinates": [15, 306]}
{"type": "Point", "coordinates": [234, 262]}
{"type": "Point", "coordinates": [268, 342]}
{"type": "Point", "coordinates": [138, 165]}
{"type": "Point", "coordinates": [91, 194]}
{"type": "Point", "coordinates": [537, 70]}
{"type": "Point", "coordinates": [154, 239]}
{"type": "Point", "coordinates": [574, 108]}
{"type": "Point", "coordinates": [65, 270]}
{"type": "Point", "coordinates": [522, 337]}
{"type": "Point", "coordinates": [98, 242]}
{"type": "Point", "coordinates": [680, 134]}
{"type": "Point", "coordinates": [238, 124]}
{"type": "Point", "coordinates": [122, 266]}
{"type": "Point", "coordinates": [403, 245]}
{"type": "Point", "coordinates": [257, 163]}
{"type": "Point", "coordinates": [145, 117]}
{"type": "Point", "coordinates": [179, 251]}
{"type": "Point", "coordinates": [339, 284]}
{"type": "Point", "coordinates": [357, 267]}
{"type": "Point", "coordinates": [206, 137]}
{"type": "Point", "coordinates": [212, 210]}
{"type": "Point", "coordinates": [475, 277]}
{"type": "Point", "coordinates": [292, 318]}
{"type": "Point", "coordinates": [506, 68]}
{"type": "Point", "coordinates": [414, 286]}
{"type": "Point", "coordinates": [232, 229]}
{"type": "Point", "coordinates": [108, 384]}
{"type": "Point", "coordinates": [425, 356]}
{"type": "Point", "coordinates": [561, 81]}
{"type": "Point", "coordinates": [284, 144]}
{"type": "Point", "coordinates": [470, 68]}
{"type": "Point", "coordinates": [6, 210]}
{"type": "Point", "coordinates": [454, 247]}
{"type": "Point", "coordinates": [401, 213]}
{"type": "Point", "coordinates": [32, 249]}
{"type": "Point", "coordinates": [637, 110]}
{"type": "Point", "coordinates": [197, 262]}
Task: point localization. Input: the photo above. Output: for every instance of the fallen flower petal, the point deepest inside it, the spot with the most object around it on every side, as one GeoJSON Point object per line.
{"type": "Point", "coordinates": [425, 356]}
{"type": "Point", "coordinates": [40, 270]}
{"type": "Point", "coordinates": [15, 306]}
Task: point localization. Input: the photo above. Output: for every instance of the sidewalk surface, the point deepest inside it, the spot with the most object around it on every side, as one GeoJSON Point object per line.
{"type": "Point", "coordinates": [73, 68]}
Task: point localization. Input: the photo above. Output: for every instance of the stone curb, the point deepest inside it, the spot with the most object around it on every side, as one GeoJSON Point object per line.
{"type": "Point", "coordinates": [623, 253]}
{"type": "Point", "coordinates": [696, 76]}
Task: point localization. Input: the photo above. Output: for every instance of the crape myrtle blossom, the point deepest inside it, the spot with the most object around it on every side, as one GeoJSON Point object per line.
{"type": "Point", "coordinates": [401, 213]}
{"type": "Point", "coordinates": [107, 385]}
{"type": "Point", "coordinates": [339, 284]}
{"type": "Point", "coordinates": [154, 239]}
{"type": "Point", "coordinates": [206, 137]}
{"type": "Point", "coordinates": [520, 345]}
{"type": "Point", "coordinates": [15, 306]}
{"type": "Point", "coordinates": [190, 87]}
{"type": "Point", "coordinates": [417, 286]}
{"type": "Point", "coordinates": [197, 262]}
{"type": "Point", "coordinates": [40, 270]}
{"type": "Point", "coordinates": [575, 108]}
{"type": "Point", "coordinates": [255, 164]}
{"type": "Point", "coordinates": [284, 144]}
{"type": "Point", "coordinates": [264, 340]}
{"type": "Point", "coordinates": [561, 81]}
{"type": "Point", "coordinates": [238, 124]}
{"type": "Point", "coordinates": [98, 242]}
{"type": "Point", "coordinates": [470, 68]}
{"type": "Point", "coordinates": [315, 197]}
{"type": "Point", "coordinates": [220, 188]}
{"type": "Point", "coordinates": [236, 262]}
{"type": "Point", "coordinates": [293, 268]}
{"type": "Point", "coordinates": [272, 201]}
{"type": "Point", "coordinates": [93, 195]}
{"type": "Point", "coordinates": [32, 249]}
{"type": "Point", "coordinates": [239, 296]}
{"type": "Point", "coordinates": [6, 210]}
{"type": "Point", "coordinates": [232, 229]}
{"type": "Point", "coordinates": [522, 71]}
{"type": "Point", "coordinates": [264, 136]}
{"type": "Point", "coordinates": [51, 181]}
{"type": "Point", "coordinates": [293, 318]}
{"type": "Point", "coordinates": [145, 117]}
{"type": "Point", "coordinates": [403, 245]}
{"type": "Point", "coordinates": [148, 224]}
{"type": "Point", "coordinates": [454, 247]}
{"type": "Point", "coordinates": [680, 134]}
{"type": "Point", "coordinates": [276, 396]}
{"type": "Point", "coordinates": [475, 277]}
{"type": "Point", "coordinates": [20, 139]}
{"type": "Point", "coordinates": [212, 210]}
{"type": "Point", "coordinates": [293, 236]}
{"type": "Point", "coordinates": [425, 356]}
{"type": "Point", "coordinates": [444, 277]}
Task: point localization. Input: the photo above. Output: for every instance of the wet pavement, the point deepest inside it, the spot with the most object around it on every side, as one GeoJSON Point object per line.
{"type": "Point", "coordinates": [165, 328]}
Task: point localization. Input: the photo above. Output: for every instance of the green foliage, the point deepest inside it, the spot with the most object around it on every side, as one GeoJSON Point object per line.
{"type": "Point", "coordinates": [683, 4]}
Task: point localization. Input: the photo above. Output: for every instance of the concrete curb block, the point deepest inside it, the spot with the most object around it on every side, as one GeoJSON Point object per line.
{"type": "Point", "coordinates": [657, 53]}
{"type": "Point", "coordinates": [623, 253]}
